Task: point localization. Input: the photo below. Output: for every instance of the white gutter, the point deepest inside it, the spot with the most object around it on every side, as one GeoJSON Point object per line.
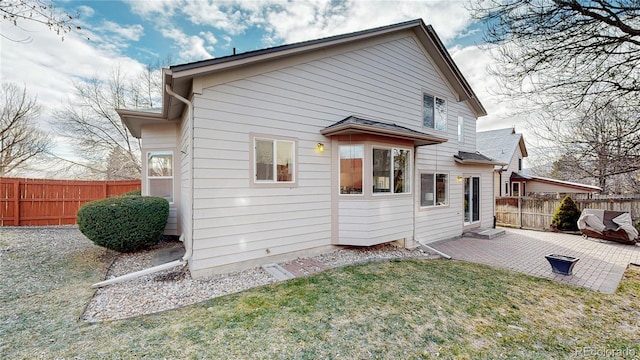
{"type": "Point", "coordinates": [189, 252]}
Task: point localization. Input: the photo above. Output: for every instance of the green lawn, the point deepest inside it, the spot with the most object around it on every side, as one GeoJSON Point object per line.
{"type": "Point", "coordinates": [393, 309]}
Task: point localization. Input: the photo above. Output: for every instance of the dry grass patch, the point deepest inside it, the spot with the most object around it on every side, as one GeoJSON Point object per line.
{"type": "Point", "coordinates": [410, 309]}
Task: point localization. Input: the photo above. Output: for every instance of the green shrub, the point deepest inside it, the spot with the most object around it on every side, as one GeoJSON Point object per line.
{"type": "Point", "coordinates": [566, 215]}
{"type": "Point", "coordinates": [126, 223]}
{"type": "Point", "coordinates": [133, 193]}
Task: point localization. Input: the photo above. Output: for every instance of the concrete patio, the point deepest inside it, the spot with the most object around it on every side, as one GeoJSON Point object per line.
{"type": "Point", "coordinates": [601, 265]}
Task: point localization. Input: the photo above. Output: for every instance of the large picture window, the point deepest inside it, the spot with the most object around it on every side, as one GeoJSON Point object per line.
{"type": "Point", "coordinates": [160, 174]}
{"type": "Point", "coordinates": [434, 189]}
{"type": "Point", "coordinates": [351, 171]}
{"type": "Point", "coordinates": [274, 161]}
{"type": "Point", "coordinates": [391, 171]}
{"type": "Point", "coordinates": [434, 112]}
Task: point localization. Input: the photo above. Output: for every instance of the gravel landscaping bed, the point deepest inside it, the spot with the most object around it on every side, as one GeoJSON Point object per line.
{"type": "Point", "coordinates": [166, 290]}
{"type": "Point", "coordinates": [174, 288]}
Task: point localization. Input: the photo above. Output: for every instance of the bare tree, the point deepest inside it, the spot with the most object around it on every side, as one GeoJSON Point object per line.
{"type": "Point", "coordinates": [598, 144]}
{"type": "Point", "coordinates": [145, 90]}
{"type": "Point", "coordinates": [565, 52]}
{"type": "Point", "coordinates": [20, 139]}
{"type": "Point", "coordinates": [91, 123]}
{"type": "Point", "coordinates": [38, 11]}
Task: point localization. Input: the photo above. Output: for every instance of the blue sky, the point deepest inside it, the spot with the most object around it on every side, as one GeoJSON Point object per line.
{"type": "Point", "coordinates": [213, 29]}
{"type": "Point", "coordinates": [132, 34]}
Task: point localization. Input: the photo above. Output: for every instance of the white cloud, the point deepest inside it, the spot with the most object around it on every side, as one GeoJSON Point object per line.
{"type": "Point", "coordinates": [154, 8]}
{"type": "Point", "coordinates": [130, 32]}
{"type": "Point", "coordinates": [299, 21]}
{"type": "Point", "coordinates": [220, 15]}
{"type": "Point", "coordinates": [191, 46]}
{"type": "Point", "coordinates": [85, 12]}
{"type": "Point", "coordinates": [209, 37]}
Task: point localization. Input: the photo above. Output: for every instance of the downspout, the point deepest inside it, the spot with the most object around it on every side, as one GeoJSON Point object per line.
{"type": "Point", "coordinates": [416, 205]}
{"type": "Point", "coordinates": [189, 252]}
{"type": "Point", "coordinates": [189, 104]}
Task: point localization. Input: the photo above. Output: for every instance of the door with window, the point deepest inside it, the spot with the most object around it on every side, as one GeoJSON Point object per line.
{"type": "Point", "coordinates": [471, 199]}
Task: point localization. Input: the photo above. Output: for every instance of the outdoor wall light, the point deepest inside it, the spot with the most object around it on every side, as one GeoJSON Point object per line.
{"type": "Point", "coordinates": [320, 147]}
{"type": "Point", "coordinates": [459, 178]}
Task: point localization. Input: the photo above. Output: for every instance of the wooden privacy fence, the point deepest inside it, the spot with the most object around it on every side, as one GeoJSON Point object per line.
{"type": "Point", "coordinates": [27, 202]}
{"type": "Point", "coordinates": [536, 213]}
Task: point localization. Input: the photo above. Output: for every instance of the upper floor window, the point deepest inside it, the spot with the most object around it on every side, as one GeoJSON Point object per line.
{"type": "Point", "coordinates": [434, 112]}
{"type": "Point", "coordinates": [160, 174]}
{"type": "Point", "coordinates": [519, 164]}
{"type": "Point", "coordinates": [274, 161]}
{"type": "Point", "coordinates": [391, 171]}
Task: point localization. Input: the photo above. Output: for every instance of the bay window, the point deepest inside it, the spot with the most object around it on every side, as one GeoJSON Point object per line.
{"type": "Point", "coordinates": [351, 170]}
{"type": "Point", "coordinates": [391, 170]}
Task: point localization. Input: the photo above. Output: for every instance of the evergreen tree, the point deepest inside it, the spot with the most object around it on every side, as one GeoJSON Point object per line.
{"type": "Point", "coordinates": [566, 215]}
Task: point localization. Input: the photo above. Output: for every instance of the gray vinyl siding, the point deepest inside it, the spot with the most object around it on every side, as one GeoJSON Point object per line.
{"type": "Point", "coordinates": [184, 154]}
{"type": "Point", "coordinates": [235, 222]}
{"type": "Point", "coordinates": [513, 167]}
{"type": "Point", "coordinates": [163, 138]}
{"type": "Point", "coordinates": [374, 221]}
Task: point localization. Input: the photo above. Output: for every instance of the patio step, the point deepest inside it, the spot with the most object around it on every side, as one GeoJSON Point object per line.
{"type": "Point", "coordinates": [484, 233]}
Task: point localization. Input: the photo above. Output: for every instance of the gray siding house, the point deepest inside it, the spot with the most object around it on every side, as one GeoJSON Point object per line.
{"type": "Point", "coordinates": [357, 139]}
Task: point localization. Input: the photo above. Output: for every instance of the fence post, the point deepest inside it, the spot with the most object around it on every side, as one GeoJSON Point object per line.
{"type": "Point", "coordinates": [104, 189]}
{"type": "Point", "coordinates": [16, 203]}
{"type": "Point", "coordinates": [519, 212]}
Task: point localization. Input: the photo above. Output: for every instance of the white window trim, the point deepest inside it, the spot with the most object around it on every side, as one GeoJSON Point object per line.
{"type": "Point", "coordinates": [391, 184]}
{"type": "Point", "coordinates": [513, 187]}
{"type": "Point", "coordinates": [172, 177]}
{"type": "Point", "coordinates": [273, 183]}
{"type": "Point", "coordinates": [435, 205]}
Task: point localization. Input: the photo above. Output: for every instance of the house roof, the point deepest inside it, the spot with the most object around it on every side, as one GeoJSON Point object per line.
{"type": "Point", "coordinates": [567, 184]}
{"type": "Point", "coordinates": [356, 125]}
{"type": "Point", "coordinates": [464, 157]}
{"type": "Point", "coordinates": [179, 78]}
{"type": "Point", "coordinates": [500, 144]}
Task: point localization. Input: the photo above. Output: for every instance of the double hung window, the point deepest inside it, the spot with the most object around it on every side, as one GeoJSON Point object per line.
{"type": "Point", "coordinates": [434, 189]}
{"type": "Point", "coordinates": [434, 112]}
{"type": "Point", "coordinates": [274, 161]}
{"type": "Point", "coordinates": [160, 174]}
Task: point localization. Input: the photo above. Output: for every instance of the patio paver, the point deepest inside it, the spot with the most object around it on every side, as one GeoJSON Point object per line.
{"type": "Point", "coordinates": [601, 266]}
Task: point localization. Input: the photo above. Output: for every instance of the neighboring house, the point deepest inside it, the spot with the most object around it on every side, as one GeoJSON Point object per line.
{"type": "Point", "coordinates": [357, 139]}
{"type": "Point", "coordinates": [544, 186]}
{"type": "Point", "coordinates": [508, 147]}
